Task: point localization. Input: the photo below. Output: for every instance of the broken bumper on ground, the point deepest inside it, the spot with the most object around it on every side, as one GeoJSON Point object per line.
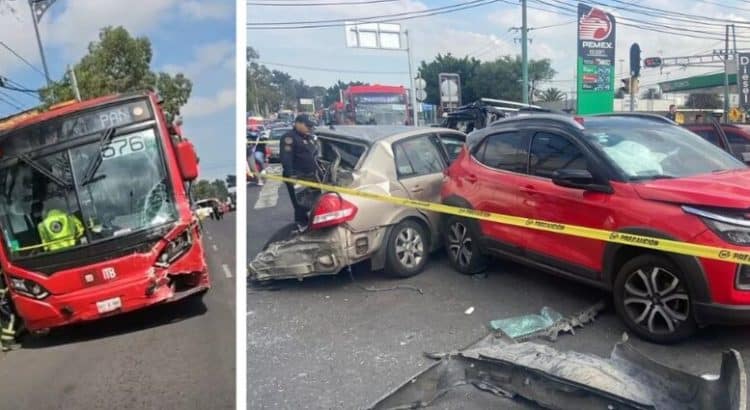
{"type": "Point", "coordinates": [571, 380]}
{"type": "Point", "coordinates": [314, 253]}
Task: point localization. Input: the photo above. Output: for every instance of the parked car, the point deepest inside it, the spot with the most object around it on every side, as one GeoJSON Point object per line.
{"type": "Point", "coordinates": [733, 138]}
{"type": "Point", "coordinates": [400, 161]}
{"type": "Point", "coordinates": [211, 206]}
{"type": "Point", "coordinates": [275, 137]}
{"type": "Point", "coordinates": [630, 175]}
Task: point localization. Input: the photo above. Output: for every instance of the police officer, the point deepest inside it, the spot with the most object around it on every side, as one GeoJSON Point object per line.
{"type": "Point", "coordinates": [298, 152]}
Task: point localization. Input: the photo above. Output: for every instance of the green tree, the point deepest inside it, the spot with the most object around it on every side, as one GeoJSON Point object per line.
{"type": "Point", "coordinates": [490, 79]}
{"type": "Point", "coordinates": [332, 93]}
{"type": "Point", "coordinates": [551, 95]}
{"type": "Point", "coordinates": [704, 101]}
{"type": "Point", "coordinates": [465, 67]}
{"type": "Point", "coordinates": [202, 190]}
{"type": "Point", "coordinates": [220, 189]}
{"type": "Point", "coordinates": [118, 63]}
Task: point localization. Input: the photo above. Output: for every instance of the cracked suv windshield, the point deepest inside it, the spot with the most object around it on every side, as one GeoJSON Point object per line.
{"type": "Point", "coordinates": [67, 195]}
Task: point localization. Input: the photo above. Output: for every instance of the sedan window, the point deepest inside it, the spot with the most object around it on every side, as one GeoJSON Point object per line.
{"type": "Point", "coordinates": [417, 156]}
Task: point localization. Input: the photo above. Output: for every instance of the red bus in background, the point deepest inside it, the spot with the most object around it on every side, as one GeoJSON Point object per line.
{"type": "Point", "coordinates": [95, 212]}
{"type": "Point", "coordinates": [372, 105]}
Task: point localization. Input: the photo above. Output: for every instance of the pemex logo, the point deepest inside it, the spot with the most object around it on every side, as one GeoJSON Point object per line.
{"type": "Point", "coordinates": [595, 25]}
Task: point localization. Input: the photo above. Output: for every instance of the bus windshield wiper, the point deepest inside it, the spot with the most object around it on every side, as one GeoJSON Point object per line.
{"type": "Point", "coordinates": [96, 162]}
{"type": "Point", "coordinates": [43, 170]}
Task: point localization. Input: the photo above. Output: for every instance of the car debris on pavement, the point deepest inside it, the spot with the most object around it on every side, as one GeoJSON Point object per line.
{"type": "Point", "coordinates": [571, 380]}
{"type": "Point", "coordinates": [548, 323]}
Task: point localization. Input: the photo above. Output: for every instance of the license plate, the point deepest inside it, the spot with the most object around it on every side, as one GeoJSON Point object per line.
{"type": "Point", "coordinates": [109, 305]}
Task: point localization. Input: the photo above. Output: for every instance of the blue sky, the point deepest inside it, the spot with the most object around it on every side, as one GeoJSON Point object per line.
{"type": "Point", "coordinates": [482, 32]}
{"type": "Point", "coordinates": [193, 37]}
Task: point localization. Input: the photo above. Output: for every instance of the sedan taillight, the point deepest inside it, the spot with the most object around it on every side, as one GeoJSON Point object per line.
{"type": "Point", "coordinates": [332, 210]}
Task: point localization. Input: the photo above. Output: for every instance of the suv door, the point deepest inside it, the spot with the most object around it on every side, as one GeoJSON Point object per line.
{"type": "Point", "coordinates": [546, 201]}
{"type": "Point", "coordinates": [419, 166]}
{"type": "Point", "coordinates": [498, 167]}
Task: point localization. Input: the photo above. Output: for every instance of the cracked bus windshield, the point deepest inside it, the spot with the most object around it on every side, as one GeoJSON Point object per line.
{"type": "Point", "coordinates": [45, 207]}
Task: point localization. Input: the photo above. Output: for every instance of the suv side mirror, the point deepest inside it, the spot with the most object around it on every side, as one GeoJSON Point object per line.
{"type": "Point", "coordinates": [579, 179]}
{"type": "Point", "coordinates": [187, 160]}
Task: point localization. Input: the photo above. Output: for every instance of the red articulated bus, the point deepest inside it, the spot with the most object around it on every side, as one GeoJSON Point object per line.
{"type": "Point", "coordinates": [372, 105]}
{"type": "Point", "coordinates": [95, 212]}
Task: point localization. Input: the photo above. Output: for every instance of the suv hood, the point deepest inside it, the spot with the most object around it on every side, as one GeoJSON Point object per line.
{"type": "Point", "coordinates": [726, 189]}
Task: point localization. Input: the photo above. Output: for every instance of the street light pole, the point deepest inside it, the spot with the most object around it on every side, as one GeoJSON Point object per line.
{"type": "Point", "coordinates": [412, 91]}
{"type": "Point", "coordinates": [524, 55]}
{"type": "Point", "coordinates": [39, 42]}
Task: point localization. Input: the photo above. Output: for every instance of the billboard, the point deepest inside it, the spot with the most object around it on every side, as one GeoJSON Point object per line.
{"type": "Point", "coordinates": [743, 81]}
{"type": "Point", "coordinates": [596, 60]}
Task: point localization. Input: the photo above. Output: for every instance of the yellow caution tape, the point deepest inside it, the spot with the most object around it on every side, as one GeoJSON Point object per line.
{"type": "Point", "coordinates": [667, 245]}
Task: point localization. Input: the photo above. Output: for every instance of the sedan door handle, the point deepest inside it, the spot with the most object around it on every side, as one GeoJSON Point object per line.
{"type": "Point", "coordinates": [417, 189]}
{"type": "Point", "coordinates": [471, 178]}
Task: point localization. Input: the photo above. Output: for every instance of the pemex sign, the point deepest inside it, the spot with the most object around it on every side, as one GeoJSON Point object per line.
{"type": "Point", "coordinates": [596, 60]}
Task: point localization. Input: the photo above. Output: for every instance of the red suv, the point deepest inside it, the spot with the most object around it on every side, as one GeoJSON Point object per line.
{"type": "Point", "coordinates": [627, 174]}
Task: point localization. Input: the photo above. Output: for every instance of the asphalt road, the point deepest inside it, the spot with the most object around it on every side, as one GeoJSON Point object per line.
{"type": "Point", "coordinates": [176, 356]}
{"type": "Point", "coordinates": [325, 343]}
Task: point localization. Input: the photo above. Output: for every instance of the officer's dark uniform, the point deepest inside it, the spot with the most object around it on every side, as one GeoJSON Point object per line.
{"type": "Point", "coordinates": [297, 154]}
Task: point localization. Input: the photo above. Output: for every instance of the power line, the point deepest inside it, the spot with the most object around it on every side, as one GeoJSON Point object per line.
{"type": "Point", "coordinates": [335, 3]}
{"type": "Point", "coordinates": [372, 19]}
{"type": "Point", "coordinates": [3, 99]}
{"type": "Point", "coordinates": [7, 47]}
{"type": "Point", "coordinates": [332, 70]}
{"type": "Point", "coordinates": [10, 97]}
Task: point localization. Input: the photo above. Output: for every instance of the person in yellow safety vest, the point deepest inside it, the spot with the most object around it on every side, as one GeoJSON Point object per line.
{"type": "Point", "coordinates": [59, 230]}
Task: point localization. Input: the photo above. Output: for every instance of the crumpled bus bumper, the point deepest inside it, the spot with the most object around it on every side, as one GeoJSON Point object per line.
{"type": "Point", "coordinates": [135, 293]}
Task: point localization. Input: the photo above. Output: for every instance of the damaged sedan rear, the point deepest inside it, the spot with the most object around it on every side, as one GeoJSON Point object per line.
{"type": "Point", "coordinates": [398, 161]}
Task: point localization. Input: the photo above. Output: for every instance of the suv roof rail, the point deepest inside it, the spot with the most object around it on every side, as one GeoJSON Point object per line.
{"type": "Point", "coordinates": [642, 115]}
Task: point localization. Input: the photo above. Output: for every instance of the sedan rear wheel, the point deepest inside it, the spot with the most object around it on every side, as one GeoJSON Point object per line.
{"type": "Point", "coordinates": [407, 249]}
{"type": "Point", "coordinates": [653, 299]}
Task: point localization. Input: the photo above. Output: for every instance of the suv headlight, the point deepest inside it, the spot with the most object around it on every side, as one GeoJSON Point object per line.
{"type": "Point", "coordinates": [28, 287]}
{"type": "Point", "coordinates": [736, 234]}
{"type": "Point", "coordinates": [734, 229]}
{"type": "Point", "coordinates": [175, 248]}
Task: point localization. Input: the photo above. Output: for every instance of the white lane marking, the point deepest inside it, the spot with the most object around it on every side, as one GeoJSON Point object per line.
{"type": "Point", "coordinates": [216, 248]}
{"type": "Point", "coordinates": [269, 195]}
{"type": "Point", "coordinates": [227, 272]}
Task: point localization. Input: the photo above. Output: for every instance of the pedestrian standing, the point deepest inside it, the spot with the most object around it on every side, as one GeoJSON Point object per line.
{"type": "Point", "coordinates": [672, 114]}
{"type": "Point", "coordinates": [298, 152]}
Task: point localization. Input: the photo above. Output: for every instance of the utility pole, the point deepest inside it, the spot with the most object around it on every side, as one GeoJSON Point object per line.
{"type": "Point", "coordinates": [74, 83]}
{"type": "Point", "coordinates": [35, 18]}
{"type": "Point", "coordinates": [524, 54]}
{"type": "Point", "coordinates": [726, 73]}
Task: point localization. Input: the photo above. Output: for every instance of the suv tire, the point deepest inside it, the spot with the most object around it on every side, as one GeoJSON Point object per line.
{"type": "Point", "coordinates": [407, 250]}
{"type": "Point", "coordinates": [462, 246]}
{"type": "Point", "coordinates": [653, 299]}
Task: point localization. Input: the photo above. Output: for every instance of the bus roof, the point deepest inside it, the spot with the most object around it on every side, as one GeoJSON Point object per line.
{"type": "Point", "coordinates": [376, 88]}
{"type": "Point", "coordinates": [33, 116]}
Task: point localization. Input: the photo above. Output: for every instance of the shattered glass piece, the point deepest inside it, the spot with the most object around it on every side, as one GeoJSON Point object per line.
{"type": "Point", "coordinates": [525, 325]}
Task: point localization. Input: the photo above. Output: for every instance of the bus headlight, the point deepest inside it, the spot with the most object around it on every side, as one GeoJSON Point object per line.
{"type": "Point", "coordinates": [28, 288]}
{"type": "Point", "coordinates": [175, 248]}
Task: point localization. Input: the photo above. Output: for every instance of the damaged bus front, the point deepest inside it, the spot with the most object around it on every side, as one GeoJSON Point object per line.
{"type": "Point", "coordinates": [95, 213]}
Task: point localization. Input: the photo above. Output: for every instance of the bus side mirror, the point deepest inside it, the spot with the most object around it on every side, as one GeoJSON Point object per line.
{"type": "Point", "coordinates": [187, 160]}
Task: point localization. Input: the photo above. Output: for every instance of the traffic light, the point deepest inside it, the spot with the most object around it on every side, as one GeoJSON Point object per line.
{"type": "Point", "coordinates": [635, 60]}
{"type": "Point", "coordinates": [652, 62]}
{"type": "Point", "coordinates": [626, 86]}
